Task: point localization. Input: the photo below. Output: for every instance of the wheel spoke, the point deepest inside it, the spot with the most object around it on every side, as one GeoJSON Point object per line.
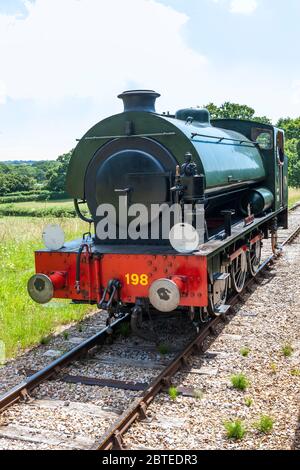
{"type": "Point", "coordinates": [254, 257]}
{"type": "Point", "coordinates": [239, 271]}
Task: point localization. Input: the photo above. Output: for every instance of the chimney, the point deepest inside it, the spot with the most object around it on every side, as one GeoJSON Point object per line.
{"type": "Point", "coordinates": [139, 100]}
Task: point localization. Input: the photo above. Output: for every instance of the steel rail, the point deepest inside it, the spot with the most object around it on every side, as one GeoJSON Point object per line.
{"type": "Point", "coordinates": [291, 237]}
{"type": "Point", "coordinates": [21, 391]}
{"type": "Point", "coordinates": [113, 438]}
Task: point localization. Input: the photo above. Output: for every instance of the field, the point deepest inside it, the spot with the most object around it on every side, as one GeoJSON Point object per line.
{"type": "Point", "coordinates": [294, 196]}
{"type": "Point", "coordinates": [23, 323]}
{"type": "Point", "coordinates": [56, 208]}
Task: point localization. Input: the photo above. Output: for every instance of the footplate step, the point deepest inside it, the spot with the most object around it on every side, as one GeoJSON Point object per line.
{"type": "Point", "coordinates": [222, 309]}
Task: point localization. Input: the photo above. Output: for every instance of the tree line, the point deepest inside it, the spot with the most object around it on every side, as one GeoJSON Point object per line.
{"type": "Point", "coordinates": [34, 176]}
{"type": "Point", "coordinates": [20, 177]}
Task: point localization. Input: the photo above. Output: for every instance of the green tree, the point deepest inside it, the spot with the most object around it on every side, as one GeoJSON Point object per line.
{"type": "Point", "coordinates": [12, 181]}
{"type": "Point", "coordinates": [291, 127]}
{"type": "Point", "coordinates": [4, 168]}
{"type": "Point", "coordinates": [235, 111]}
{"type": "Point", "coordinates": [41, 168]}
{"type": "Point", "coordinates": [57, 175]}
{"type": "Point", "coordinates": [292, 150]}
{"type": "Point", "coordinates": [4, 187]}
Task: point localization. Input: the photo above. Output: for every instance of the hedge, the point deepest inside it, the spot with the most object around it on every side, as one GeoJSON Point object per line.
{"type": "Point", "coordinates": [28, 197]}
{"type": "Point", "coordinates": [26, 193]}
{"type": "Point", "coordinates": [14, 211]}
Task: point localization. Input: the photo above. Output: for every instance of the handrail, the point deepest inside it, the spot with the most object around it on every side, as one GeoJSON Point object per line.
{"type": "Point", "coordinates": [220, 139]}
{"type": "Point", "coordinates": [156, 134]}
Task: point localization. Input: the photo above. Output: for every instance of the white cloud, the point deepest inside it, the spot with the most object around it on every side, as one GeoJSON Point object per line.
{"type": "Point", "coordinates": [245, 7]}
{"type": "Point", "coordinates": [95, 48]}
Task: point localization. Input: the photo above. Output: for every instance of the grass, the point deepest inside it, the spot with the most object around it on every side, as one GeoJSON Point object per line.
{"type": "Point", "coordinates": [240, 382]}
{"type": "Point", "coordinates": [173, 393]}
{"type": "Point", "coordinates": [124, 329]}
{"type": "Point", "coordinates": [245, 352]}
{"type": "Point", "coordinates": [265, 424]}
{"type": "Point", "coordinates": [23, 323]}
{"type": "Point", "coordinates": [235, 429]}
{"type": "Point", "coordinates": [295, 372]}
{"type": "Point", "coordinates": [287, 350]}
{"type": "Point", "coordinates": [273, 367]}
{"type": "Point", "coordinates": [45, 340]}
{"type": "Point", "coordinates": [163, 349]}
{"type": "Point", "coordinates": [294, 196]}
{"type": "Point", "coordinates": [248, 402]}
{"type": "Point", "coordinates": [198, 394]}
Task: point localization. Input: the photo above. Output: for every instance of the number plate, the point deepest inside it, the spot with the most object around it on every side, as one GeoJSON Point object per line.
{"type": "Point", "coordinates": [136, 279]}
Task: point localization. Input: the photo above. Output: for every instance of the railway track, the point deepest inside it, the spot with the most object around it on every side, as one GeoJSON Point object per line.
{"type": "Point", "coordinates": [113, 438]}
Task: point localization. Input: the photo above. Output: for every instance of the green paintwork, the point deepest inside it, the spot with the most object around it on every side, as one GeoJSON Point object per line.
{"type": "Point", "coordinates": [285, 182]}
{"type": "Point", "coordinates": [144, 123]}
{"type": "Point", "coordinates": [269, 157]}
{"type": "Point", "coordinates": [222, 163]}
{"type": "Point", "coordinates": [260, 200]}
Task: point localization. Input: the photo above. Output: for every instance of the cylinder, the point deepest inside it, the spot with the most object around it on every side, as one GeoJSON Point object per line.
{"type": "Point", "coordinates": [260, 200]}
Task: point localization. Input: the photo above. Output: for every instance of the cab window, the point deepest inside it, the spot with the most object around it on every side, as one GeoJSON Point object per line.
{"type": "Point", "coordinates": [264, 138]}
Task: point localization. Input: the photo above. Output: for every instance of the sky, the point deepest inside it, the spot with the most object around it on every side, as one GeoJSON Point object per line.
{"type": "Point", "coordinates": [63, 62]}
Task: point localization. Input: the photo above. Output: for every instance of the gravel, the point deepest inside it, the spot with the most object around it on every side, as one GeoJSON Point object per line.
{"type": "Point", "coordinates": [268, 320]}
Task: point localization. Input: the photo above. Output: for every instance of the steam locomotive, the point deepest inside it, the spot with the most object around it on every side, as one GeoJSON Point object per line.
{"type": "Point", "coordinates": [230, 174]}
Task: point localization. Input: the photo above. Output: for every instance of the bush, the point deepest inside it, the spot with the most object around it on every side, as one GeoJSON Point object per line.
{"type": "Point", "coordinates": [245, 352]}
{"type": "Point", "coordinates": [173, 393]}
{"type": "Point", "coordinates": [22, 198]}
{"type": "Point", "coordinates": [26, 193]}
{"type": "Point", "coordinates": [248, 401]}
{"type": "Point", "coordinates": [240, 382]}
{"type": "Point", "coordinates": [273, 367]}
{"type": "Point", "coordinates": [14, 211]}
{"type": "Point", "coordinates": [287, 350]}
{"type": "Point", "coordinates": [265, 424]}
{"type": "Point", "coordinates": [58, 195]}
{"type": "Point", "coordinates": [33, 196]}
{"type": "Point", "coordinates": [235, 429]}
